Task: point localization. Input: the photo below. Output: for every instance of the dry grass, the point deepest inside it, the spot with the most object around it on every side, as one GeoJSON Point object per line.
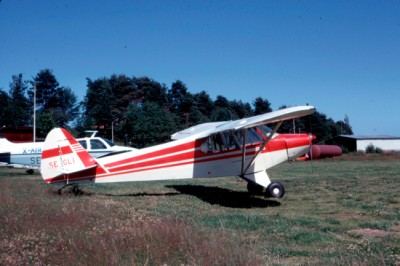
{"type": "Point", "coordinates": [209, 222]}
{"type": "Point", "coordinates": [41, 227]}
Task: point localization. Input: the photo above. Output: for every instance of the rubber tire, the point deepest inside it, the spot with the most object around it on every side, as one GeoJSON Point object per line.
{"type": "Point", "coordinates": [30, 171]}
{"type": "Point", "coordinates": [275, 190]}
{"type": "Point", "coordinates": [76, 190]}
{"type": "Point", "coordinates": [254, 188]}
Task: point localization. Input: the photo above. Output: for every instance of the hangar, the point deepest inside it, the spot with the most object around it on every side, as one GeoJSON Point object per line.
{"type": "Point", "coordinates": [360, 143]}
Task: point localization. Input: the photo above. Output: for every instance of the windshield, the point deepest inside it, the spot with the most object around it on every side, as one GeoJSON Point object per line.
{"type": "Point", "coordinates": [109, 142]}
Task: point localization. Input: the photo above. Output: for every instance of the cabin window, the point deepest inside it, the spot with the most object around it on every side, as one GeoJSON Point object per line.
{"type": "Point", "coordinates": [221, 142]}
{"type": "Point", "coordinates": [230, 140]}
{"type": "Point", "coordinates": [83, 143]}
{"type": "Point", "coordinates": [96, 144]}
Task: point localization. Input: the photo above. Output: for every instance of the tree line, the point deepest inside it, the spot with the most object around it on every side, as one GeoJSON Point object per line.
{"type": "Point", "coordinates": [137, 110]}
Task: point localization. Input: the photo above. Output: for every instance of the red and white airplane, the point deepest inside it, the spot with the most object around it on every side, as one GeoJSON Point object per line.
{"type": "Point", "coordinates": [244, 147]}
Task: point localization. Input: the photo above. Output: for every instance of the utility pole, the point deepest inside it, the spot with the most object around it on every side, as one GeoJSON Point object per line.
{"type": "Point", "coordinates": [34, 112]}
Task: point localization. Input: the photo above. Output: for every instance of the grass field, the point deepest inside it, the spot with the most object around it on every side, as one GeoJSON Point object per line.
{"type": "Point", "coordinates": [342, 211]}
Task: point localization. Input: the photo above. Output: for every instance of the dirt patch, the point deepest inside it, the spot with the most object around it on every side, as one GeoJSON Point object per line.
{"type": "Point", "coordinates": [373, 233]}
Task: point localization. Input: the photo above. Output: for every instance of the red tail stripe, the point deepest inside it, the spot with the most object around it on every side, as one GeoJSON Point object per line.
{"type": "Point", "coordinates": [86, 158]}
{"type": "Point", "coordinates": [56, 152]}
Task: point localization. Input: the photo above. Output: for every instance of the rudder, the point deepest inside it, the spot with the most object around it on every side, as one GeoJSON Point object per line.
{"type": "Point", "coordinates": [62, 155]}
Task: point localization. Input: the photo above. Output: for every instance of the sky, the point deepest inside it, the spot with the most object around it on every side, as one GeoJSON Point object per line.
{"type": "Point", "coordinates": [343, 57]}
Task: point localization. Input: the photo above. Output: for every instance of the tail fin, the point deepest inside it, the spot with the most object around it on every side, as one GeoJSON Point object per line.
{"type": "Point", "coordinates": [62, 154]}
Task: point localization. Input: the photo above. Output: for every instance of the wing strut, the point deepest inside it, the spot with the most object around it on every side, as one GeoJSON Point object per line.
{"type": "Point", "coordinates": [244, 150]}
{"type": "Point", "coordinates": [260, 150]}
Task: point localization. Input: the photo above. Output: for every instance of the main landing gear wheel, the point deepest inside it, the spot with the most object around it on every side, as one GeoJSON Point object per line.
{"type": "Point", "coordinates": [254, 189]}
{"type": "Point", "coordinates": [30, 171]}
{"type": "Point", "coordinates": [275, 190]}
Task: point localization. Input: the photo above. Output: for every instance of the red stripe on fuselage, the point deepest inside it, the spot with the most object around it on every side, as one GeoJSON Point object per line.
{"type": "Point", "coordinates": [151, 155]}
{"type": "Point", "coordinates": [164, 158]}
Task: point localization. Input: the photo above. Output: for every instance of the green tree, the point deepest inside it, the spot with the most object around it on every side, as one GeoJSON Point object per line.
{"type": "Point", "coordinates": [222, 102]}
{"type": "Point", "coordinates": [196, 117]}
{"type": "Point", "coordinates": [150, 90]}
{"type": "Point", "coordinates": [180, 102]}
{"type": "Point", "coordinates": [180, 99]}
{"type": "Point", "coordinates": [98, 104]}
{"type": "Point", "coordinates": [56, 106]}
{"type": "Point", "coordinates": [148, 124]}
{"type": "Point", "coordinates": [222, 114]}
{"type": "Point", "coordinates": [123, 92]}
{"type": "Point", "coordinates": [222, 110]}
{"type": "Point", "coordinates": [67, 108]}
{"type": "Point", "coordinates": [124, 100]}
{"type": "Point", "coordinates": [241, 109]}
{"type": "Point", "coordinates": [5, 117]}
{"type": "Point", "coordinates": [320, 125]}
{"type": "Point", "coordinates": [20, 106]}
{"type": "Point", "coordinates": [203, 103]}
{"type": "Point", "coordinates": [344, 127]}
{"type": "Point", "coordinates": [46, 89]}
{"type": "Point", "coordinates": [44, 122]}
{"type": "Point", "coordinates": [261, 106]}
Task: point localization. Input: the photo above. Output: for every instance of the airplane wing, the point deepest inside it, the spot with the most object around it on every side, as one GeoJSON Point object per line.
{"type": "Point", "coordinates": [196, 129]}
{"type": "Point", "coordinates": [204, 130]}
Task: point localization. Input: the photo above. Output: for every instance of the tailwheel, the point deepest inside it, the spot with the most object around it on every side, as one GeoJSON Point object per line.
{"type": "Point", "coordinates": [75, 189]}
{"type": "Point", "coordinates": [254, 189]}
{"type": "Point", "coordinates": [275, 190]}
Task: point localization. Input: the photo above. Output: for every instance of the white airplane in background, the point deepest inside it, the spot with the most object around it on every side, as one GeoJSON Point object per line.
{"type": "Point", "coordinates": [244, 147]}
{"type": "Point", "coordinates": [27, 155]}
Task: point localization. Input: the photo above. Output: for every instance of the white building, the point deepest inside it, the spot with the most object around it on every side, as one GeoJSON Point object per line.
{"type": "Point", "coordinates": [360, 143]}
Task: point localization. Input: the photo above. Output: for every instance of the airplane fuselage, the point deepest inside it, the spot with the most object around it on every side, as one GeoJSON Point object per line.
{"type": "Point", "coordinates": [25, 154]}
{"type": "Point", "coordinates": [184, 159]}
{"type": "Point", "coordinates": [28, 155]}
{"type": "Point", "coordinates": [244, 147]}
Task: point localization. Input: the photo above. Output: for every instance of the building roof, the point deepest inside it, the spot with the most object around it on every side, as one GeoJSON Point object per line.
{"type": "Point", "coordinates": [367, 137]}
